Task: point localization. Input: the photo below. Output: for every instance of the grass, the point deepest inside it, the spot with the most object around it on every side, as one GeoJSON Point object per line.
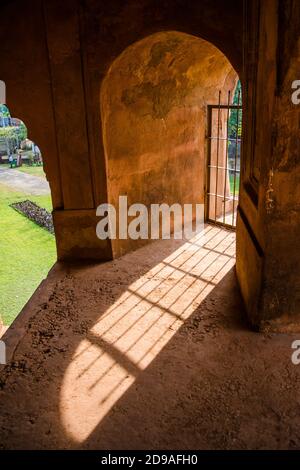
{"type": "Point", "coordinates": [237, 183]}
{"type": "Point", "coordinates": [31, 170]}
{"type": "Point", "coordinates": [27, 252]}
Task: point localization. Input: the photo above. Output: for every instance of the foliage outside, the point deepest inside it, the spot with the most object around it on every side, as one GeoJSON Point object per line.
{"type": "Point", "coordinates": [11, 136]}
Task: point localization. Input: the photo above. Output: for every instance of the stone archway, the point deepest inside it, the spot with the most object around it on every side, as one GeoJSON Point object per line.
{"type": "Point", "coordinates": [63, 85]}
{"type": "Point", "coordinates": [154, 114]}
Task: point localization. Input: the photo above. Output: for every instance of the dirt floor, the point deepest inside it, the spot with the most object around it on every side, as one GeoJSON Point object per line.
{"type": "Point", "coordinates": [150, 351]}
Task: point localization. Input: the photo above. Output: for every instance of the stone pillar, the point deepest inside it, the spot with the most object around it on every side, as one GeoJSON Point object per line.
{"type": "Point", "coordinates": [75, 222]}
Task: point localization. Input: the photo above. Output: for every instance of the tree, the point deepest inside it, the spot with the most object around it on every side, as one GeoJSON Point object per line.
{"type": "Point", "coordinates": [11, 135]}
{"type": "Point", "coordinates": [235, 126]}
{"type": "Point", "coordinates": [22, 132]}
{"type": "Point", "coordinates": [235, 118]}
{"type": "Point", "coordinates": [4, 111]}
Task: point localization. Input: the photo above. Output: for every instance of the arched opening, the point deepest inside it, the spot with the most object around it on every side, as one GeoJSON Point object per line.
{"type": "Point", "coordinates": [154, 105]}
{"type": "Point", "coordinates": [27, 243]}
{"type": "Point", "coordinates": [154, 102]}
{"type": "Point", "coordinates": [149, 351]}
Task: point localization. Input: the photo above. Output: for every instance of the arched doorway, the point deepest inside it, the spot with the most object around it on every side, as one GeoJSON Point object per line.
{"type": "Point", "coordinates": [27, 242]}
{"type": "Point", "coordinates": [154, 102]}
{"type": "Point", "coordinates": [154, 112]}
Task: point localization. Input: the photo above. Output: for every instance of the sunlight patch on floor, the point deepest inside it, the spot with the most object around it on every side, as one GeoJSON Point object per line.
{"type": "Point", "coordinates": [133, 331]}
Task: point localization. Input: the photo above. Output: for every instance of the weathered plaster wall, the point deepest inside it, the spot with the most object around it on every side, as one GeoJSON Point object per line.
{"type": "Point", "coordinates": [24, 66]}
{"type": "Point", "coordinates": [154, 111]}
{"type": "Point", "coordinates": [270, 226]}
{"type": "Point", "coordinates": [281, 294]}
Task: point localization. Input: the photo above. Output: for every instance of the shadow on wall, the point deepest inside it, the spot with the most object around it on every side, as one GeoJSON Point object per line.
{"type": "Point", "coordinates": [154, 111]}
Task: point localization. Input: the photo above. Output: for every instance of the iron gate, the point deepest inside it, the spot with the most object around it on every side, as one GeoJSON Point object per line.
{"type": "Point", "coordinates": [224, 156]}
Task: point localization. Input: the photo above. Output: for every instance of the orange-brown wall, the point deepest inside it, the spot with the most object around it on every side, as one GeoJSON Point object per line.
{"type": "Point", "coordinates": [154, 115]}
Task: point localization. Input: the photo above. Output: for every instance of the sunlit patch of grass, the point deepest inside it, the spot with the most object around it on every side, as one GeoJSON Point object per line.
{"type": "Point", "coordinates": [31, 170]}
{"type": "Point", "coordinates": [27, 252]}
{"type": "Point", "coordinates": [234, 186]}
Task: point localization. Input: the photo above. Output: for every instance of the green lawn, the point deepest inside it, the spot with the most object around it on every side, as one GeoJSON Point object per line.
{"type": "Point", "coordinates": [27, 252]}
{"type": "Point", "coordinates": [237, 183]}
{"type": "Point", "coordinates": [31, 170]}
